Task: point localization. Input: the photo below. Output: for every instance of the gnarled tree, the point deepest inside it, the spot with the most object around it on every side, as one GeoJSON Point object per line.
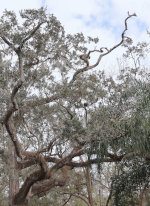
{"type": "Point", "coordinates": [54, 110]}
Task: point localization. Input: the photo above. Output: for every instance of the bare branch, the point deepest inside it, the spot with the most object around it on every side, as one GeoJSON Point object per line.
{"type": "Point", "coordinates": [85, 58]}
{"type": "Point", "coordinates": [8, 121]}
{"type": "Point", "coordinates": [42, 187]}
{"type": "Point", "coordinates": [7, 42]}
{"type": "Point", "coordinates": [68, 110]}
{"type": "Point", "coordinates": [20, 197]}
{"type": "Point", "coordinates": [32, 161]}
{"type": "Point", "coordinates": [109, 196]}
{"type": "Point", "coordinates": [88, 67]}
{"type": "Point", "coordinates": [12, 133]}
{"type": "Point", "coordinates": [39, 175]}
{"type": "Point", "coordinates": [67, 200]}
{"type": "Point", "coordinates": [49, 146]}
{"type": "Point", "coordinates": [35, 176]}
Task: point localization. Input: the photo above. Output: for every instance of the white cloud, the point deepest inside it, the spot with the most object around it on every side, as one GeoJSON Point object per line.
{"type": "Point", "coordinates": [108, 14]}
{"type": "Point", "coordinates": [141, 7]}
{"type": "Point", "coordinates": [17, 5]}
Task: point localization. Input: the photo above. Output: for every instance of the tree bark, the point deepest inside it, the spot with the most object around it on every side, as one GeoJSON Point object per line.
{"type": "Point", "coordinates": [141, 197]}
{"type": "Point", "coordinates": [13, 173]}
{"type": "Point", "coordinates": [89, 187]}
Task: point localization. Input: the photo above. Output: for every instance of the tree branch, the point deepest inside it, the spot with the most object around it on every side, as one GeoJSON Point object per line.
{"type": "Point", "coordinates": [35, 176]}
{"type": "Point", "coordinates": [44, 173]}
{"type": "Point", "coordinates": [65, 164]}
{"type": "Point", "coordinates": [41, 188]}
{"type": "Point", "coordinates": [8, 120]}
{"type": "Point", "coordinates": [41, 101]}
{"type": "Point", "coordinates": [88, 67]}
{"type": "Point", "coordinates": [22, 194]}
{"type": "Point", "coordinates": [31, 34]}
{"type": "Point", "coordinates": [67, 200]}
{"type": "Point", "coordinates": [7, 42]}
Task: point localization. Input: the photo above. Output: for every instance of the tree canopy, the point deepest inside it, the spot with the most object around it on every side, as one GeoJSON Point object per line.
{"type": "Point", "coordinates": [60, 112]}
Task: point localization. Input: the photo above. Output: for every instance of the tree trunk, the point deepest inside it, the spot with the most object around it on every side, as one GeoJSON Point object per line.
{"type": "Point", "coordinates": [99, 197]}
{"type": "Point", "coordinates": [89, 187]}
{"type": "Point", "coordinates": [13, 173]}
{"type": "Point", "coordinates": [141, 197]}
{"type": "Point", "coordinates": [109, 198]}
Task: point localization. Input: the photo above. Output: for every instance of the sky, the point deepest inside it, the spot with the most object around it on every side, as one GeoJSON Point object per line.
{"type": "Point", "coordinates": [96, 18]}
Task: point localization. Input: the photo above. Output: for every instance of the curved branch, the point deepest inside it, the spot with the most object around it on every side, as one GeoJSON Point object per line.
{"type": "Point", "coordinates": [41, 188]}
{"type": "Point", "coordinates": [34, 177]}
{"type": "Point", "coordinates": [73, 164]}
{"type": "Point", "coordinates": [45, 173]}
{"type": "Point", "coordinates": [101, 50]}
{"type": "Point", "coordinates": [8, 121]}
{"type": "Point", "coordinates": [22, 194]}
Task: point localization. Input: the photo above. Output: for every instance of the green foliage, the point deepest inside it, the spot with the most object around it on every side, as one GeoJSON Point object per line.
{"type": "Point", "coordinates": [72, 128]}
{"type": "Point", "coordinates": [133, 176]}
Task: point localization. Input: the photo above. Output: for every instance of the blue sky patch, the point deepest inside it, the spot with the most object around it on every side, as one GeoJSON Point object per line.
{"type": "Point", "coordinates": [141, 25]}
{"type": "Point", "coordinates": [79, 16]}
{"type": "Point", "coordinates": [43, 2]}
